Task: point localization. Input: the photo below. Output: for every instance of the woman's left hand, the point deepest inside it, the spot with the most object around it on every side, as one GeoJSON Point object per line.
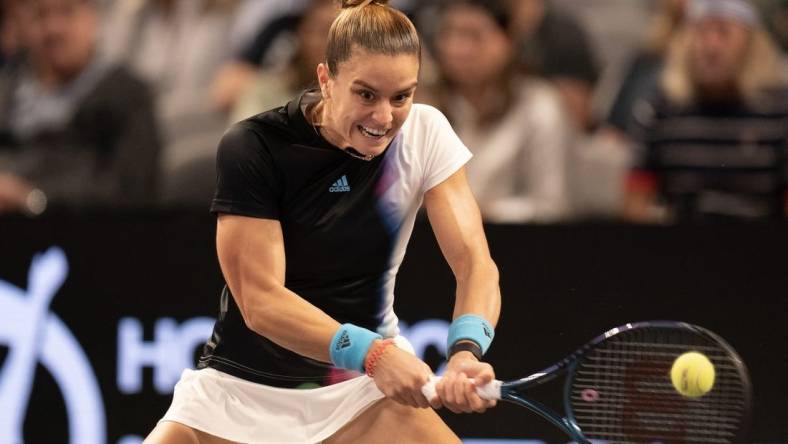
{"type": "Point", "coordinates": [456, 390]}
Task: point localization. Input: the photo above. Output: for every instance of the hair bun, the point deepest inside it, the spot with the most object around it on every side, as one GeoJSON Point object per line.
{"type": "Point", "coordinates": [361, 3]}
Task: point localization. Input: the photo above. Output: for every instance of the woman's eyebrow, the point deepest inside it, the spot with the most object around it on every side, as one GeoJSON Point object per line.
{"type": "Point", "coordinates": [373, 89]}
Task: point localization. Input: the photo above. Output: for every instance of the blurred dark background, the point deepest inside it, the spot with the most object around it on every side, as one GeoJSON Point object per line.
{"type": "Point", "coordinates": [562, 285]}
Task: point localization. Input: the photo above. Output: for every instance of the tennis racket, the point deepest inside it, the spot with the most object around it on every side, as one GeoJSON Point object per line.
{"type": "Point", "coordinates": [618, 388]}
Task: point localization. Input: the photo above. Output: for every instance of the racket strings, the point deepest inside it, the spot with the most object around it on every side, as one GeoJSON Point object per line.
{"type": "Point", "coordinates": [622, 392]}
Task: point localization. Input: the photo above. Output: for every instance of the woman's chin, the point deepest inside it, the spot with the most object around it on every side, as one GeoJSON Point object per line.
{"type": "Point", "coordinates": [373, 148]}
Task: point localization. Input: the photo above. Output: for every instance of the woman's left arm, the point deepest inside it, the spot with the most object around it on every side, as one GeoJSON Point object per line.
{"type": "Point", "coordinates": [457, 223]}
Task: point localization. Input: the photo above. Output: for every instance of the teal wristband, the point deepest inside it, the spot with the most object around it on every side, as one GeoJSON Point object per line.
{"type": "Point", "coordinates": [471, 328]}
{"type": "Point", "coordinates": [349, 347]}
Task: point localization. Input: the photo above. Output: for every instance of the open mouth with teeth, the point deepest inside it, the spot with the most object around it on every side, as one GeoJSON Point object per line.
{"type": "Point", "coordinates": [371, 132]}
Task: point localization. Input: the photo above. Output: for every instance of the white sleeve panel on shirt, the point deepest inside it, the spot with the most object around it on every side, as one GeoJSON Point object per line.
{"type": "Point", "coordinates": [443, 153]}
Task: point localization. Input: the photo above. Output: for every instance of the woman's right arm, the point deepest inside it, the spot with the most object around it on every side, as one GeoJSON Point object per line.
{"type": "Point", "coordinates": [252, 257]}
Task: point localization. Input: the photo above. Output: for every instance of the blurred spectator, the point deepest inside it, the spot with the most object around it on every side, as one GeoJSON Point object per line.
{"type": "Point", "coordinates": [515, 126]}
{"type": "Point", "coordinates": [642, 75]}
{"type": "Point", "coordinates": [256, 15]}
{"type": "Point", "coordinates": [775, 13]}
{"type": "Point", "coordinates": [614, 27]}
{"type": "Point", "coordinates": [177, 46]}
{"type": "Point", "coordinates": [554, 45]}
{"type": "Point", "coordinates": [269, 44]}
{"type": "Point", "coordinates": [615, 30]}
{"type": "Point", "coordinates": [9, 37]}
{"type": "Point", "coordinates": [274, 87]}
{"type": "Point", "coordinates": [75, 130]}
{"type": "Point", "coordinates": [714, 139]}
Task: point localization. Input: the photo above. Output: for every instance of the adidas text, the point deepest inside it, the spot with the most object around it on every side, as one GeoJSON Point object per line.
{"type": "Point", "coordinates": [340, 186]}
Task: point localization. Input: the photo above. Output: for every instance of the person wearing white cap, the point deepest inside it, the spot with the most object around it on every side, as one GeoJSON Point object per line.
{"type": "Point", "coordinates": [725, 50]}
{"type": "Point", "coordinates": [713, 140]}
{"type": "Point", "coordinates": [739, 10]}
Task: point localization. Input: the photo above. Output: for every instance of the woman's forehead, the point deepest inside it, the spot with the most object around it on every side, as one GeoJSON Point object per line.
{"type": "Point", "coordinates": [380, 71]}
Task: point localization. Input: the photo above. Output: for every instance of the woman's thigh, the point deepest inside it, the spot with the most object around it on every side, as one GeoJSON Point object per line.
{"type": "Point", "coordinates": [389, 422]}
{"type": "Point", "coordinates": [169, 432]}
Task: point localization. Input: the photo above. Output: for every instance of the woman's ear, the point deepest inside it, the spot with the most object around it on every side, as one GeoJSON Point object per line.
{"type": "Point", "coordinates": [323, 76]}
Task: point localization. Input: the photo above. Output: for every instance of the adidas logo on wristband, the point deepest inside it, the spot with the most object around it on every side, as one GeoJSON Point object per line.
{"type": "Point", "coordinates": [344, 341]}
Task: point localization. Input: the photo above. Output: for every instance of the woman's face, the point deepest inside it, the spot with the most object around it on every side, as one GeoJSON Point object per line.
{"type": "Point", "coordinates": [368, 99]}
{"type": "Point", "coordinates": [472, 48]}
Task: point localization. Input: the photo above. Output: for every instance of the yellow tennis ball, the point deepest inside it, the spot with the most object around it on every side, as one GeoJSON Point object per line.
{"type": "Point", "coordinates": [692, 374]}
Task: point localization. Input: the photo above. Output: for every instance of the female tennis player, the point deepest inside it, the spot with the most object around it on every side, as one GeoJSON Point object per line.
{"type": "Point", "coordinates": [316, 201]}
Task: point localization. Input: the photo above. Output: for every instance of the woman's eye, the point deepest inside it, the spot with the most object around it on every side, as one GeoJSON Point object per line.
{"type": "Point", "coordinates": [366, 95]}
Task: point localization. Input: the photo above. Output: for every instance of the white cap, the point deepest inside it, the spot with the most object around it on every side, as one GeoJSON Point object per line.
{"type": "Point", "coordinates": [739, 10]}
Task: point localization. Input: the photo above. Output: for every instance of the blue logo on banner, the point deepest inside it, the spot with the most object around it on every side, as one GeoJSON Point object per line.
{"type": "Point", "coordinates": [34, 335]}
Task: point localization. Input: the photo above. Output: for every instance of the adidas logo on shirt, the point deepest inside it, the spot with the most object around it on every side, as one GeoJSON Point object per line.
{"type": "Point", "coordinates": [340, 186]}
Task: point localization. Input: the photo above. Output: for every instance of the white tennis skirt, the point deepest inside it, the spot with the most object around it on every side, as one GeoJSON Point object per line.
{"type": "Point", "coordinates": [246, 412]}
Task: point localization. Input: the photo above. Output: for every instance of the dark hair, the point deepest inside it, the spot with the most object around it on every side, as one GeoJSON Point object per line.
{"type": "Point", "coordinates": [497, 9]}
{"type": "Point", "coordinates": [371, 25]}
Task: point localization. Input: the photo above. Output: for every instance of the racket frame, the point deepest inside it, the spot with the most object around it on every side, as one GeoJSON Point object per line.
{"type": "Point", "coordinates": [511, 391]}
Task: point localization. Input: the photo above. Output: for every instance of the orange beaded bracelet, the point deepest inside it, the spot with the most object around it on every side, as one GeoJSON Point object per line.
{"type": "Point", "coordinates": [374, 355]}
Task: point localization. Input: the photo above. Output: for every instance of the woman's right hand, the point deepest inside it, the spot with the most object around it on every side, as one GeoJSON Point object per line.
{"type": "Point", "coordinates": [401, 375]}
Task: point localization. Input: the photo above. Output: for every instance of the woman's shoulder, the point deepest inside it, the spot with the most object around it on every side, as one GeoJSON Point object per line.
{"type": "Point", "coordinates": [425, 115]}
{"type": "Point", "coordinates": [241, 136]}
{"type": "Point", "coordinates": [275, 123]}
{"type": "Point", "coordinates": [425, 124]}
{"type": "Point", "coordinates": [263, 131]}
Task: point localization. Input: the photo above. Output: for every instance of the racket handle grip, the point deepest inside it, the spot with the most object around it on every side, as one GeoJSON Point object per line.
{"type": "Point", "coordinates": [487, 391]}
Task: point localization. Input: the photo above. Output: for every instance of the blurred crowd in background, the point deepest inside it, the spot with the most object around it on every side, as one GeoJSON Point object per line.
{"type": "Point", "coordinates": [653, 111]}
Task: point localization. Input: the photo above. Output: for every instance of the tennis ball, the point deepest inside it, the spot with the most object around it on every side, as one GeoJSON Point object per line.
{"type": "Point", "coordinates": [692, 374]}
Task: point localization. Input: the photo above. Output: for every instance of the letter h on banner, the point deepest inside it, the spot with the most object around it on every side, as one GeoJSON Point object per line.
{"type": "Point", "coordinates": [170, 352]}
